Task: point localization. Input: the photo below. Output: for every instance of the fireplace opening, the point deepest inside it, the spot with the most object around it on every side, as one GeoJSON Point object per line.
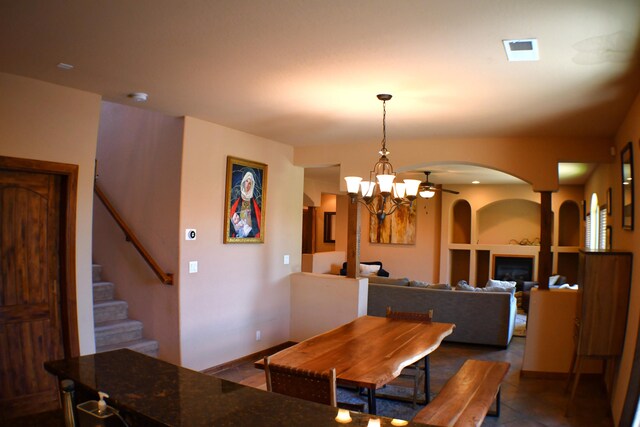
{"type": "Point", "coordinates": [506, 267]}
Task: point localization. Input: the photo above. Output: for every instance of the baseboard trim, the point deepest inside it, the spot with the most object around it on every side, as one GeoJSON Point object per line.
{"type": "Point", "coordinates": [248, 358]}
{"type": "Point", "coordinates": [544, 375]}
{"type": "Point", "coordinates": [552, 375]}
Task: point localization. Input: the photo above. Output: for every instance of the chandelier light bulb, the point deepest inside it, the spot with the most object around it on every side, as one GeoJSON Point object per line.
{"type": "Point", "coordinates": [412, 185]}
{"type": "Point", "coordinates": [353, 184]}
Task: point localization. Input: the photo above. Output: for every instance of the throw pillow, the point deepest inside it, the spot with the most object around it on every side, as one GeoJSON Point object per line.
{"type": "Point", "coordinates": [464, 286]}
{"type": "Point", "coordinates": [501, 284]}
{"type": "Point", "coordinates": [418, 284]}
{"type": "Point", "coordinates": [553, 280]}
{"type": "Point", "coordinates": [369, 270]}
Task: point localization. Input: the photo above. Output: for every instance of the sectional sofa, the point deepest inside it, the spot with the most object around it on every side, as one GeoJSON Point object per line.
{"type": "Point", "coordinates": [480, 317]}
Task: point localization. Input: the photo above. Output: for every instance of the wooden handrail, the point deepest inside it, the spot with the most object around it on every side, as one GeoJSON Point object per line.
{"type": "Point", "coordinates": [165, 278]}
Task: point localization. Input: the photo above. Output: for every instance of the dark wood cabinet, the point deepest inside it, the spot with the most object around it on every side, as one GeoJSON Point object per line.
{"type": "Point", "coordinates": [604, 279]}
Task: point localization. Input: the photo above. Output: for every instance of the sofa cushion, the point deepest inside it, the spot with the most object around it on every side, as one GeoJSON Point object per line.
{"type": "Point", "coordinates": [403, 281]}
{"type": "Point", "coordinates": [443, 286]}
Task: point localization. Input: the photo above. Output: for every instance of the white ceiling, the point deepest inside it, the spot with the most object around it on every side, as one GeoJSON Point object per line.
{"type": "Point", "coordinates": [306, 72]}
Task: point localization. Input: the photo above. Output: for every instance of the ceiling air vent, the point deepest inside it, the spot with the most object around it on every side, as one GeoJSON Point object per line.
{"type": "Point", "coordinates": [521, 50]}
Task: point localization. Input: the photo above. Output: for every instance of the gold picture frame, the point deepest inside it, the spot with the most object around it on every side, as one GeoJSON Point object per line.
{"type": "Point", "coordinates": [245, 201]}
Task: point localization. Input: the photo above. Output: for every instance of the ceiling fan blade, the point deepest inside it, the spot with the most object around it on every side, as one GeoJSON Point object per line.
{"type": "Point", "coordinates": [430, 186]}
{"type": "Point", "coordinates": [450, 191]}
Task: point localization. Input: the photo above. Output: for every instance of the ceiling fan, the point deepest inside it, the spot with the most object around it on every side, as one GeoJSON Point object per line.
{"type": "Point", "coordinates": [428, 189]}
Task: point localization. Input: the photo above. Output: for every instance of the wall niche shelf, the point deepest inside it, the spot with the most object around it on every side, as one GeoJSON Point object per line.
{"type": "Point", "coordinates": [476, 235]}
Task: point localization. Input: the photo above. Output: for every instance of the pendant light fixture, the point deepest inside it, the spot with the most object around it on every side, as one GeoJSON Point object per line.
{"type": "Point", "coordinates": [381, 186]}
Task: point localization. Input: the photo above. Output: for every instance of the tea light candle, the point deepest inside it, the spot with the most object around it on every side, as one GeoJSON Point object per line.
{"type": "Point", "coordinates": [374, 422]}
{"type": "Point", "coordinates": [343, 416]}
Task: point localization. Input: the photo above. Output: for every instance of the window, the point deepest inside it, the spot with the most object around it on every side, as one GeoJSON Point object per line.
{"type": "Point", "coordinates": [596, 226]}
{"type": "Point", "coordinates": [587, 234]}
{"type": "Point", "coordinates": [603, 238]}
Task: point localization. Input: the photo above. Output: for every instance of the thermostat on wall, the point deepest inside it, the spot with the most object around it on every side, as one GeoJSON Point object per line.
{"type": "Point", "coordinates": [190, 234]}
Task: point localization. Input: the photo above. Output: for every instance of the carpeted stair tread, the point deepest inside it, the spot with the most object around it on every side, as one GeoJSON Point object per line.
{"type": "Point", "coordinates": [110, 310]}
{"type": "Point", "coordinates": [117, 331]}
{"type": "Point", "coordinates": [103, 291]}
{"type": "Point", "coordinates": [145, 346]}
{"type": "Point", "coordinates": [96, 270]}
{"type": "Point", "coordinates": [112, 327]}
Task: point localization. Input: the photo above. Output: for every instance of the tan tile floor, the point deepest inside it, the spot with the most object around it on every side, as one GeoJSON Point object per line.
{"type": "Point", "coordinates": [525, 401]}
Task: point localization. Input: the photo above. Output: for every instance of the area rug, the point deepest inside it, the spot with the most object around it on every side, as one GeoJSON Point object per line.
{"type": "Point", "coordinates": [385, 407]}
{"type": "Point", "coordinates": [521, 325]}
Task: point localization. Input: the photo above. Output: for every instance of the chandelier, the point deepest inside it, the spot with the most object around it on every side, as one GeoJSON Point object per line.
{"type": "Point", "coordinates": [381, 187]}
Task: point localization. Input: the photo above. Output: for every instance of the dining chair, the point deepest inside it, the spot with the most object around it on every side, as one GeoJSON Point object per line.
{"type": "Point", "coordinates": [412, 371]}
{"type": "Point", "coordinates": [314, 386]}
{"type": "Point", "coordinates": [319, 387]}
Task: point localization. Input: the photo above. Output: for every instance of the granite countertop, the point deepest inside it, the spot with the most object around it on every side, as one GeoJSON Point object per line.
{"type": "Point", "coordinates": [148, 391]}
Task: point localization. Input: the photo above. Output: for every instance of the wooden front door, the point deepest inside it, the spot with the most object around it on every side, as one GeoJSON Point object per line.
{"type": "Point", "coordinates": [31, 326]}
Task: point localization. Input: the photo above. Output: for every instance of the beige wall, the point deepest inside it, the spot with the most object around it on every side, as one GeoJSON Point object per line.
{"type": "Point", "coordinates": [625, 240]}
{"type": "Point", "coordinates": [534, 160]}
{"type": "Point", "coordinates": [239, 288]}
{"type": "Point", "coordinates": [42, 121]}
{"type": "Point", "coordinates": [314, 296]}
{"type": "Point", "coordinates": [139, 155]}
{"type": "Point", "coordinates": [417, 262]}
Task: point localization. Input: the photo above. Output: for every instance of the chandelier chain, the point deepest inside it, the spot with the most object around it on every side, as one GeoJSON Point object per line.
{"type": "Point", "coordinates": [384, 128]}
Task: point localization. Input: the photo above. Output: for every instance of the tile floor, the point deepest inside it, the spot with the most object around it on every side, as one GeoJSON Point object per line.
{"type": "Point", "coordinates": [525, 401]}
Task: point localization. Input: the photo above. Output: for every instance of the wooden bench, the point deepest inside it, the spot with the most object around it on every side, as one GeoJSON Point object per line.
{"type": "Point", "coordinates": [467, 397]}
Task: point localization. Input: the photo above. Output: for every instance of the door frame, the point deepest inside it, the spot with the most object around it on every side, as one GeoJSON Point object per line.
{"type": "Point", "coordinates": [67, 256]}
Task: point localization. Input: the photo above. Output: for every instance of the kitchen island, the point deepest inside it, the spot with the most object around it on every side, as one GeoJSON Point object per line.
{"type": "Point", "coordinates": [150, 392]}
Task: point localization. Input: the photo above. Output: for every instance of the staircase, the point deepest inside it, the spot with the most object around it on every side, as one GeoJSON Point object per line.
{"type": "Point", "coordinates": [113, 328]}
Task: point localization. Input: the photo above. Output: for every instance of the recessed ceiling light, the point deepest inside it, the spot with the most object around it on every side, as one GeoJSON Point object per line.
{"type": "Point", "coordinates": [475, 182]}
{"type": "Point", "coordinates": [138, 96]}
{"type": "Point", "coordinates": [521, 49]}
{"type": "Point", "coordinates": [64, 66]}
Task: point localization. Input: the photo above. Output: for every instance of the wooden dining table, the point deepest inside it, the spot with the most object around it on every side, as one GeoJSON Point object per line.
{"type": "Point", "coordinates": [368, 352]}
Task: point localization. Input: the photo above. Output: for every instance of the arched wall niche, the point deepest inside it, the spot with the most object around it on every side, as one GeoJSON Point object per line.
{"type": "Point", "coordinates": [509, 221]}
{"type": "Point", "coordinates": [461, 222]}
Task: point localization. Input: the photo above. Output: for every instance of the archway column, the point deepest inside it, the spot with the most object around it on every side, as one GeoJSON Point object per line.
{"type": "Point", "coordinates": [544, 258]}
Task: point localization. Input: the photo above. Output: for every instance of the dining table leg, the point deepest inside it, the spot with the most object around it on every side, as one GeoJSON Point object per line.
{"type": "Point", "coordinates": [427, 380]}
{"type": "Point", "coordinates": [372, 400]}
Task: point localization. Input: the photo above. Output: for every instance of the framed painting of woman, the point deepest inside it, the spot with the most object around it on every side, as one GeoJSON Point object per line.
{"type": "Point", "coordinates": [245, 201]}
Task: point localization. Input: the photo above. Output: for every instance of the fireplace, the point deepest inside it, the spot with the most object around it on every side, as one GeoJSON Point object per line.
{"type": "Point", "coordinates": [513, 267]}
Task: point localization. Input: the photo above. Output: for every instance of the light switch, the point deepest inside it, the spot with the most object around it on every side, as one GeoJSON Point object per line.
{"type": "Point", "coordinates": [190, 234]}
{"type": "Point", "coordinates": [193, 266]}
{"type": "Point", "coordinates": [286, 260]}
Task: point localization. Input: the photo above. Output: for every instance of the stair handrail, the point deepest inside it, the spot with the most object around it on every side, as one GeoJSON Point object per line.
{"type": "Point", "coordinates": [166, 278]}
